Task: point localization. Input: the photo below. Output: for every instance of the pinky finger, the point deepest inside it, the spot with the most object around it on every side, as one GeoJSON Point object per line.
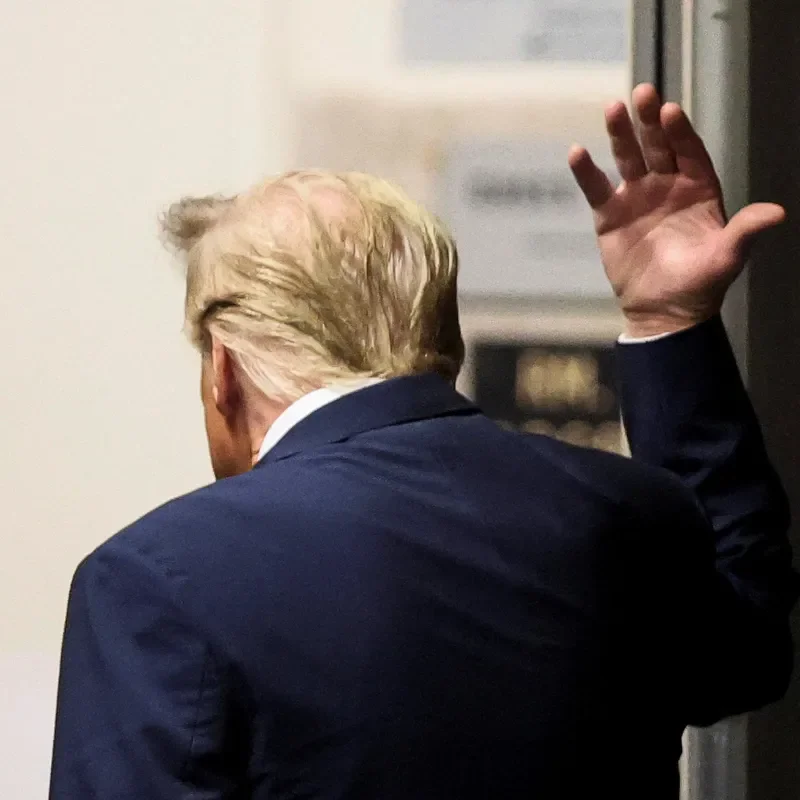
{"type": "Point", "coordinates": [594, 183]}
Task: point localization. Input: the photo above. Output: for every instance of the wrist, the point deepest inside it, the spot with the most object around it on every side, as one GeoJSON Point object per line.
{"type": "Point", "coordinates": [646, 326]}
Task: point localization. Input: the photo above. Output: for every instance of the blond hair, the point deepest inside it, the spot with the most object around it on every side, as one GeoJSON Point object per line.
{"type": "Point", "coordinates": [316, 278]}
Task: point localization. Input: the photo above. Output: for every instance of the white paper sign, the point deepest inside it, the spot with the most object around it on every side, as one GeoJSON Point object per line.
{"type": "Point", "coordinates": [455, 31]}
{"type": "Point", "coordinates": [522, 225]}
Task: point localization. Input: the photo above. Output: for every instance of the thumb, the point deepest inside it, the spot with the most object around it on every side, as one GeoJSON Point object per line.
{"type": "Point", "coordinates": [747, 224]}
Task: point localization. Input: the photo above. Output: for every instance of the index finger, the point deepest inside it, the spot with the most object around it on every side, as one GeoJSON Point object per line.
{"type": "Point", "coordinates": [692, 157]}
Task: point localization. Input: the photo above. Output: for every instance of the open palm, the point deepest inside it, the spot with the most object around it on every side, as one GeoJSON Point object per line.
{"type": "Point", "coordinates": [668, 250]}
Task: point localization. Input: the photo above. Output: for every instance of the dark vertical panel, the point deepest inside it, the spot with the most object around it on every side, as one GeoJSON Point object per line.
{"type": "Point", "coordinates": [774, 333]}
{"type": "Point", "coordinates": [647, 44]}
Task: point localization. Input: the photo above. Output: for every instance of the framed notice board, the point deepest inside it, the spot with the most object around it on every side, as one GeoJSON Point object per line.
{"type": "Point", "coordinates": [546, 373]}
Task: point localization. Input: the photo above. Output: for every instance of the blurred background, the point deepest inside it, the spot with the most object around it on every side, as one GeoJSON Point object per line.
{"type": "Point", "coordinates": [113, 110]}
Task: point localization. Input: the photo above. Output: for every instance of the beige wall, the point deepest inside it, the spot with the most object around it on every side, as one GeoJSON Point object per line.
{"type": "Point", "coordinates": [110, 110]}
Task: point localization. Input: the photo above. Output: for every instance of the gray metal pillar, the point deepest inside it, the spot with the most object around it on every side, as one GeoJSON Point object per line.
{"type": "Point", "coordinates": [699, 55]}
{"type": "Point", "coordinates": [658, 46]}
{"type": "Point", "coordinates": [646, 41]}
{"type": "Point", "coordinates": [740, 78]}
{"type": "Point", "coordinates": [718, 79]}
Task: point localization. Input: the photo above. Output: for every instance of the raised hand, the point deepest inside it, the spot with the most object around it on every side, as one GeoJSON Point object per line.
{"type": "Point", "coordinates": [667, 248]}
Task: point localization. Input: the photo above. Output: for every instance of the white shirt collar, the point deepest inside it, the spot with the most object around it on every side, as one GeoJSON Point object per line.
{"type": "Point", "coordinates": [306, 406]}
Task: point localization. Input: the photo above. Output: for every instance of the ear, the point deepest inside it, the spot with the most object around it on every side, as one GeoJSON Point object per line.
{"type": "Point", "coordinates": [226, 390]}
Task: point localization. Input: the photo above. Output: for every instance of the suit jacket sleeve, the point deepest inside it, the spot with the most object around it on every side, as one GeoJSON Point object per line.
{"type": "Point", "coordinates": [142, 706]}
{"type": "Point", "coordinates": [725, 540]}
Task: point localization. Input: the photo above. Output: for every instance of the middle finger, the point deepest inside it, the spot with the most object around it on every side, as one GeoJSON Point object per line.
{"type": "Point", "coordinates": [658, 152]}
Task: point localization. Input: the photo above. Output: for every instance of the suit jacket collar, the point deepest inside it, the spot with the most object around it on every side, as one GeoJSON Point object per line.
{"type": "Point", "coordinates": [391, 402]}
{"type": "Point", "coordinates": [305, 407]}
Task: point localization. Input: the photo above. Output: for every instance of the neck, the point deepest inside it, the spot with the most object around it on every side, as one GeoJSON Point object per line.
{"type": "Point", "coordinates": [259, 421]}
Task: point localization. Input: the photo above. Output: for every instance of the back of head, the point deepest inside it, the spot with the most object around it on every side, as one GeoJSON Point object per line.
{"type": "Point", "coordinates": [316, 278]}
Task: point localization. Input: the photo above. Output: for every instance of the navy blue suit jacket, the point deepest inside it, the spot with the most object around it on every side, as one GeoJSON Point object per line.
{"type": "Point", "coordinates": [403, 600]}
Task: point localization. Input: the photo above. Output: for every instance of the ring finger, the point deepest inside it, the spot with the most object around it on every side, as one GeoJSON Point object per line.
{"type": "Point", "coordinates": [624, 144]}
